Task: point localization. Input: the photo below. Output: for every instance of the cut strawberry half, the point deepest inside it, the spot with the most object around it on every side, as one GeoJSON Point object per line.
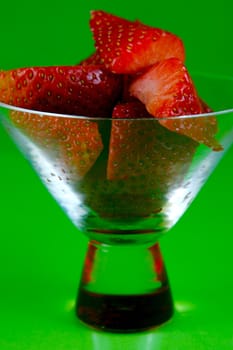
{"type": "Point", "coordinates": [144, 161]}
{"type": "Point", "coordinates": [88, 90]}
{"type": "Point", "coordinates": [143, 149]}
{"type": "Point", "coordinates": [125, 144]}
{"type": "Point", "coordinates": [201, 129]}
{"type": "Point", "coordinates": [167, 90]}
{"type": "Point", "coordinates": [129, 46]}
{"type": "Point", "coordinates": [93, 59]}
{"type": "Point", "coordinates": [74, 144]}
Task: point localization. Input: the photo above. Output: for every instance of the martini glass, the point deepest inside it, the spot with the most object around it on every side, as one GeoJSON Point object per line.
{"type": "Point", "coordinates": [124, 286]}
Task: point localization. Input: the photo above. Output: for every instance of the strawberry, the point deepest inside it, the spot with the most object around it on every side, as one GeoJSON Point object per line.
{"type": "Point", "coordinates": [124, 141]}
{"type": "Point", "coordinates": [93, 59]}
{"type": "Point", "coordinates": [167, 90]}
{"type": "Point", "coordinates": [81, 90]}
{"type": "Point", "coordinates": [90, 90]}
{"type": "Point", "coordinates": [72, 144]}
{"type": "Point", "coordinates": [205, 107]}
{"type": "Point", "coordinates": [127, 80]}
{"type": "Point", "coordinates": [129, 46]}
{"type": "Point", "coordinates": [144, 162]}
{"type": "Point", "coordinates": [136, 145]}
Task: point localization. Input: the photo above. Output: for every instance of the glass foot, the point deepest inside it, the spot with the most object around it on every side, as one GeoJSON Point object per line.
{"type": "Point", "coordinates": [130, 299]}
{"type": "Point", "coordinates": [125, 313]}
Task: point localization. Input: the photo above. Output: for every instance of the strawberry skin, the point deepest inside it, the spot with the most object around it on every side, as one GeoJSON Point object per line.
{"type": "Point", "coordinates": [72, 144]}
{"type": "Point", "coordinates": [81, 90]}
{"type": "Point", "coordinates": [124, 141]}
{"type": "Point", "coordinates": [129, 46]}
{"type": "Point", "coordinates": [93, 59]}
{"type": "Point", "coordinates": [167, 90]}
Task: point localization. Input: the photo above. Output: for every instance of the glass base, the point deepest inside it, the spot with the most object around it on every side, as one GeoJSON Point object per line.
{"type": "Point", "coordinates": [125, 313]}
{"type": "Point", "coordinates": [124, 288]}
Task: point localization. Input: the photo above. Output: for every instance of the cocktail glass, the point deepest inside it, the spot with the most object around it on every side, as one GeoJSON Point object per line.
{"type": "Point", "coordinates": [124, 285]}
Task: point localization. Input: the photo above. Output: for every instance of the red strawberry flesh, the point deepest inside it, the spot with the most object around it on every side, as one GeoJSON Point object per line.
{"type": "Point", "coordinates": [167, 90]}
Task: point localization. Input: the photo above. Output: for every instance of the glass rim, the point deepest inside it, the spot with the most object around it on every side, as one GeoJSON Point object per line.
{"type": "Point", "coordinates": [82, 117]}
{"type": "Point", "coordinates": [73, 116]}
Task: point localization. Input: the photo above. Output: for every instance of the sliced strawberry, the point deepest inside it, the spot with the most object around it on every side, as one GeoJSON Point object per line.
{"type": "Point", "coordinates": [129, 46]}
{"type": "Point", "coordinates": [93, 59]}
{"type": "Point", "coordinates": [144, 162]}
{"type": "Point", "coordinates": [167, 90]}
{"type": "Point", "coordinates": [74, 144]}
{"type": "Point", "coordinates": [130, 110]}
{"type": "Point", "coordinates": [205, 107]}
{"type": "Point", "coordinates": [81, 90]}
{"type": "Point", "coordinates": [201, 129]}
{"type": "Point", "coordinates": [140, 147]}
{"type": "Point", "coordinates": [127, 80]}
{"type": "Point", "coordinates": [125, 143]}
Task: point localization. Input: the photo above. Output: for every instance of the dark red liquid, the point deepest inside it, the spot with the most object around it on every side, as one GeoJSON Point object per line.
{"type": "Point", "coordinates": [126, 313]}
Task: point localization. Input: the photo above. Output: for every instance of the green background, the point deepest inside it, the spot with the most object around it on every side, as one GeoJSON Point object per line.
{"type": "Point", "coordinates": [41, 253]}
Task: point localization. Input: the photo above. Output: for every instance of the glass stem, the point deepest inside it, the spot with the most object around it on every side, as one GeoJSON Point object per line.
{"type": "Point", "coordinates": [124, 287]}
